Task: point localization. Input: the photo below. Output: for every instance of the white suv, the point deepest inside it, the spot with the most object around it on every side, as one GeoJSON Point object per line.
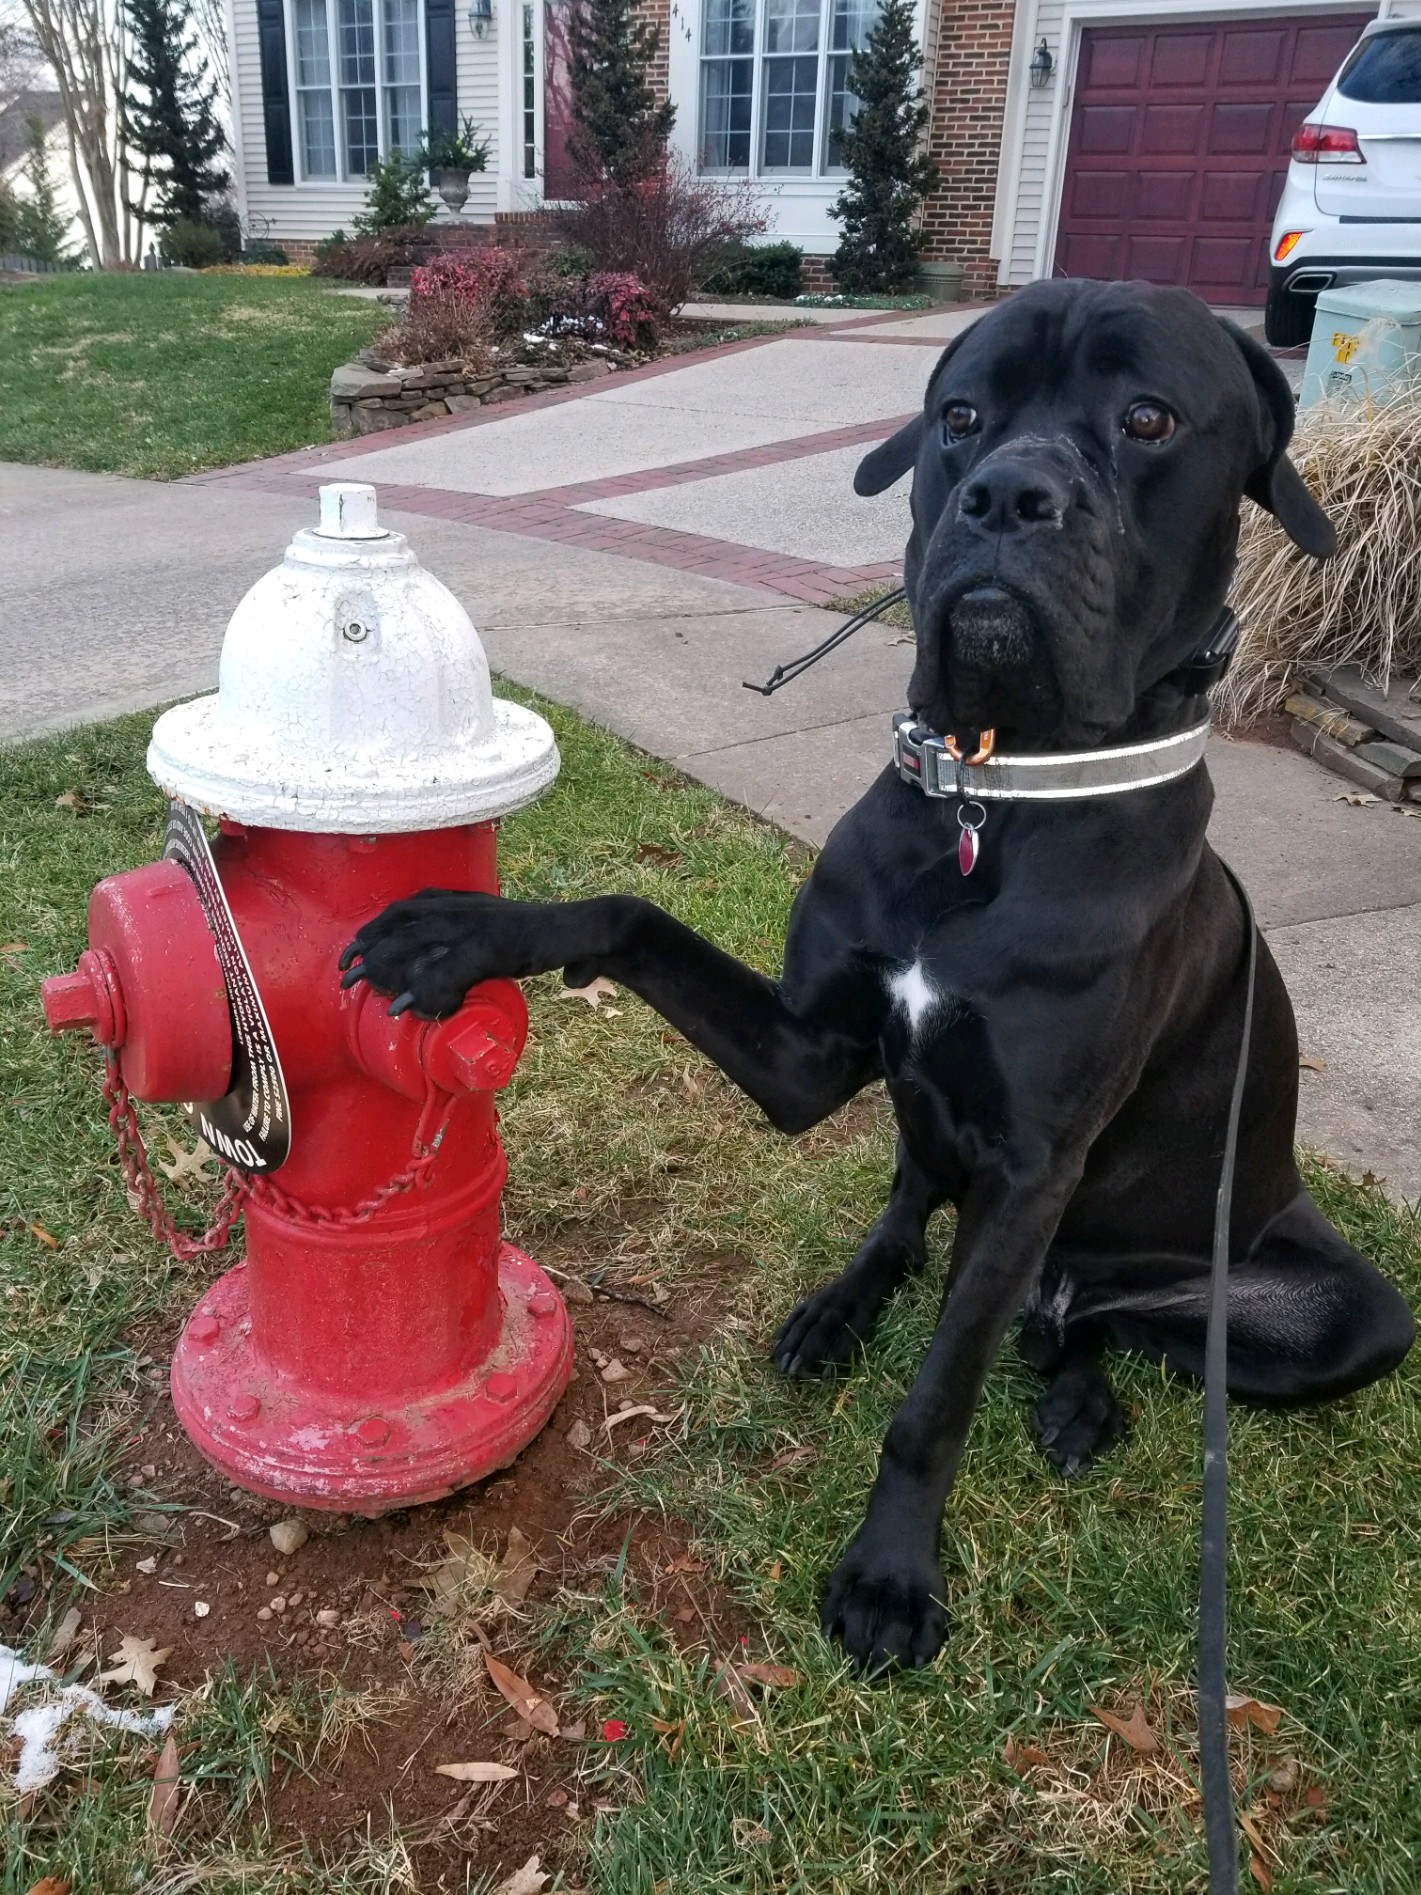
{"type": "Point", "coordinates": [1351, 205]}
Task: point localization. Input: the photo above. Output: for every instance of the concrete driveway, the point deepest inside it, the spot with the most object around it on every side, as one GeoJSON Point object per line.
{"type": "Point", "coordinates": [636, 551]}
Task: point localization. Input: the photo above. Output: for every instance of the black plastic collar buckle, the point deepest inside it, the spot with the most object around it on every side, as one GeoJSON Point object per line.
{"type": "Point", "coordinates": [1213, 658]}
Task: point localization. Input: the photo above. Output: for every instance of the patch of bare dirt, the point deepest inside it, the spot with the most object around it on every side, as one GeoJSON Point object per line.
{"type": "Point", "coordinates": [347, 1606]}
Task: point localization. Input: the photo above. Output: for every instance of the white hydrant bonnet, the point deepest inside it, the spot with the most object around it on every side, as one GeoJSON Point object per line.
{"type": "Point", "coordinates": [353, 697]}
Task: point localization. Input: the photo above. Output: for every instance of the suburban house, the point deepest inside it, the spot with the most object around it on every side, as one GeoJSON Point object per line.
{"type": "Point", "coordinates": [1114, 138]}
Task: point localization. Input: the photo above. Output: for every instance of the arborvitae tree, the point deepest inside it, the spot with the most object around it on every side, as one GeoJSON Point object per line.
{"type": "Point", "coordinates": [619, 132]}
{"type": "Point", "coordinates": [42, 229]}
{"type": "Point", "coordinates": [169, 108]}
{"type": "Point", "coordinates": [889, 176]}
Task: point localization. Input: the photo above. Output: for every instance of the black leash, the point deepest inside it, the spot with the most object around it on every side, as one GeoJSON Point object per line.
{"type": "Point", "coordinates": [786, 674]}
{"type": "Point", "coordinates": [1219, 1832]}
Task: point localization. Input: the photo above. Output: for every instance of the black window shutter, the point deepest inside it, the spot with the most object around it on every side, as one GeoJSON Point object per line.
{"type": "Point", "coordinates": [276, 94]}
{"type": "Point", "coordinates": [439, 62]}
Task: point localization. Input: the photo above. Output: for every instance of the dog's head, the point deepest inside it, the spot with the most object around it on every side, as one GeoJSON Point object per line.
{"type": "Point", "coordinates": [1078, 470]}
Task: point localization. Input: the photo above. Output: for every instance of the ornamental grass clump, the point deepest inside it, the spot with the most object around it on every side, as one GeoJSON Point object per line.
{"type": "Point", "coordinates": [1361, 607]}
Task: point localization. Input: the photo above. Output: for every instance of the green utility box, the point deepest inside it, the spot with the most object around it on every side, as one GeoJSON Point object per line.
{"type": "Point", "coordinates": [1366, 343]}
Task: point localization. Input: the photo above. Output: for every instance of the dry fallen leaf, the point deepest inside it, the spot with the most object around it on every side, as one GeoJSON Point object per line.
{"type": "Point", "coordinates": [630, 1414]}
{"type": "Point", "coordinates": [594, 993]}
{"type": "Point", "coordinates": [71, 799]}
{"type": "Point", "coordinates": [518, 1570]}
{"type": "Point", "coordinates": [476, 1772]}
{"type": "Point", "coordinates": [41, 1235]}
{"type": "Point", "coordinates": [167, 1793]}
{"type": "Point", "coordinates": [528, 1703]}
{"type": "Point", "coordinates": [683, 1563]}
{"type": "Point", "coordinates": [186, 1164]}
{"type": "Point", "coordinates": [1241, 1710]}
{"type": "Point", "coordinates": [1022, 1757]}
{"type": "Point", "coordinates": [1311, 1064]}
{"type": "Point", "coordinates": [729, 1684]}
{"type": "Point", "coordinates": [792, 1457]}
{"type": "Point", "coordinates": [777, 1677]}
{"type": "Point", "coordinates": [135, 1662]}
{"type": "Point", "coordinates": [1134, 1729]}
{"type": "Point", "coordinates": [654, 852]}
{"type": "Point", "coordinates": [65, 1634]}
{"type": "Point", "coordinates": [529, 1880]}
{"type": "Point", "coordinates": [49, 1885]}
{"type": "Point", "coordinates": [463, 1566]}
{"type": "Point", "coordinates": [1371, 1180]}
{"type": "Point", "coordinates": [149, 1565]}
{"type": "Point", "coordinates": [1357, 798]}
{"type": "Point", "coordinates": [1259, 1871]}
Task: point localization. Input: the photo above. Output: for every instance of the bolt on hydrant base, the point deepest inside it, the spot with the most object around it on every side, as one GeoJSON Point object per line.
{"type": "Point", "coordinates": [324, 1449]}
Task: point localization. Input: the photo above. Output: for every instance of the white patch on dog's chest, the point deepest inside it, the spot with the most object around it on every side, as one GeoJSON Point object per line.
{"type": "Point", "coordinates": [911, 990]}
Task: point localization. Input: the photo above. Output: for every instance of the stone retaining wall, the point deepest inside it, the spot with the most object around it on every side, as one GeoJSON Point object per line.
{"type": "Point", "coordinates": [370, 395]}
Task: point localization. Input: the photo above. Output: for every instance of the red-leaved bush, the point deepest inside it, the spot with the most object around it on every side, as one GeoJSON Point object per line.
{"type": "Point", "coordinates": [629, 313]}
{"type": "Point", "coordinates": [490, 280]}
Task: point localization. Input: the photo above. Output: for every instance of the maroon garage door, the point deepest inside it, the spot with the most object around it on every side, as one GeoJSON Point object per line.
{"type": "Point", "coordinates": [1179, 141]}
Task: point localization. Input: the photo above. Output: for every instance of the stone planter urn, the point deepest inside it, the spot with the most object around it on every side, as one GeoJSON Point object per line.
{"type": "Point", "coordinates": [453, 187]}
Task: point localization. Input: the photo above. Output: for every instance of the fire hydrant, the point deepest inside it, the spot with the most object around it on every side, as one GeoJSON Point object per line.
{"type": "Point", "coordinates": [380, 1345]}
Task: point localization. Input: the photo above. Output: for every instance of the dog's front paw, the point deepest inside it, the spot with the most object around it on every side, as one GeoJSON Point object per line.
{"type": "Point", "coordinates": [429, 950]}
{"type": "Point", "coordinates": [822, 1334]}
{"type": "Point", "coordinates": [885, 1607]}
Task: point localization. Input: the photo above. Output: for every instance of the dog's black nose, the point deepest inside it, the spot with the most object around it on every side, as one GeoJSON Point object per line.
{"type": "Point", "coordinates": [1011, 495]}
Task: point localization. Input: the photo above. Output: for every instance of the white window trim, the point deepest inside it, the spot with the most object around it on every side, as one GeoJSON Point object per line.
{"type": "Point", "coordinates": [343, 180]}
{"type": "Point", "coordinates": [816, 173]}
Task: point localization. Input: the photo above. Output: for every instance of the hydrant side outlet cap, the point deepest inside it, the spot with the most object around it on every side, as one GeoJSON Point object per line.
{"type": "Point", "coordinates": [353, 698]}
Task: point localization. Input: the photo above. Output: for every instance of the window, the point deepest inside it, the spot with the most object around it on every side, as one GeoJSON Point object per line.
{"type": "Point", "coordinates": [774, 83]}
{"type": "Point", "coordinates": [530, 92]}
{"type": "Point", "coordinates": [1385, 70]}
{"type": "Point", "coordinates": [359, 92]}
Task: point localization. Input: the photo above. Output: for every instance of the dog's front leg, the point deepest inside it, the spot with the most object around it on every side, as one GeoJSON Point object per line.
{"type": "Point", "coordinates": [886, 1599]}
{"type": "Point", "coordinates": [798, 1057]}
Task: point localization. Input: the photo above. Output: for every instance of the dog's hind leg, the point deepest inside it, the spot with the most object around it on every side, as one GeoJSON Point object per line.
{"type": "Point", "coordinates": [822, 1333]}
{"type": "Point", "coordinates": [1309, 1318]}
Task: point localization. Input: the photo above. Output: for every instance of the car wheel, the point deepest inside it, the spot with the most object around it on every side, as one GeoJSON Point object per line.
{"type": "Point", "coordinates": [1288, 318]}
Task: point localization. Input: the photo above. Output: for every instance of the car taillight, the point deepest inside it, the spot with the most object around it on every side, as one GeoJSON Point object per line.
{"type": "Point", "coordinates": [1326, 144]}
{"type": "Point", "coordinates": [1287, 244]}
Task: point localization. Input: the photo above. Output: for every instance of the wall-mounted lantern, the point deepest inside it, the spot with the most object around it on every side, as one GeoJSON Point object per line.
{"type": "Point", "coordinates": [481, 18]}
{"type": "Point", "coordinates": [1042, 66]}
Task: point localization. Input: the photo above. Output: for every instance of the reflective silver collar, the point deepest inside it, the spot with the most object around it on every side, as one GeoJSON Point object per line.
{"type": "Point", "coordinates": [923, 758]}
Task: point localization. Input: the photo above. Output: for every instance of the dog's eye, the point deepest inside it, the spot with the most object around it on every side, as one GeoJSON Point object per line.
{"type": "Point", "coordinates": [1148, 421]}
{"type": "Point", "coordinates": [959, 419]}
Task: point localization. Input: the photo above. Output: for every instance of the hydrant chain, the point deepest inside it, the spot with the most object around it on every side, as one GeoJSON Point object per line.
{"type": "Point", "coordinates": [143, 1191]}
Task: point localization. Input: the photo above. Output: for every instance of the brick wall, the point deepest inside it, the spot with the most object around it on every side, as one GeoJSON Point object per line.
{"type": "Point", "coordinates": [968, 95]}
{"type": "Point", "coordinates": [658, 12]}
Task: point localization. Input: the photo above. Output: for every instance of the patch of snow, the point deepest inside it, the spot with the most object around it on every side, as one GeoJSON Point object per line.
{"type": "Point", "coordinates": [40, 1727]}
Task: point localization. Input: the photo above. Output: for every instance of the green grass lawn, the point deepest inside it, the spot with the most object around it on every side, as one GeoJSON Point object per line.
{"type": "Point", "coordinates": [1063, 1598]}
{"type": "Point", "coordinates": [159, 375]}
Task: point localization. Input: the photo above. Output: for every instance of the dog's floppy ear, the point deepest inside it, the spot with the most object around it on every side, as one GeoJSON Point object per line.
{"type": "Point", "coordinates": [890, 460]}
{"type": "Point", "coordinates": [1275, 484]}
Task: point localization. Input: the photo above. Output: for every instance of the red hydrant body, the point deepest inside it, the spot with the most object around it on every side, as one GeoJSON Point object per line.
{"type": "Point", "coordinates": [379, 1346]}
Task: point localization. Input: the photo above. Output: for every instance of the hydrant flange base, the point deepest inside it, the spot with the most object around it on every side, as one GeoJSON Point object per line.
{"type": "Point", "coordinates": [292, 1446]}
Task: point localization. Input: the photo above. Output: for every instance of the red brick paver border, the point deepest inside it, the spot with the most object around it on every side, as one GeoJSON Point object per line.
{"type": "Point", "coordinates": [553, 513]}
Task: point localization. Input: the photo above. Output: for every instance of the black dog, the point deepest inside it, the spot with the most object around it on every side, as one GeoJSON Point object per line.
{"type": "Point", "coordinates": [1058, 1028]}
